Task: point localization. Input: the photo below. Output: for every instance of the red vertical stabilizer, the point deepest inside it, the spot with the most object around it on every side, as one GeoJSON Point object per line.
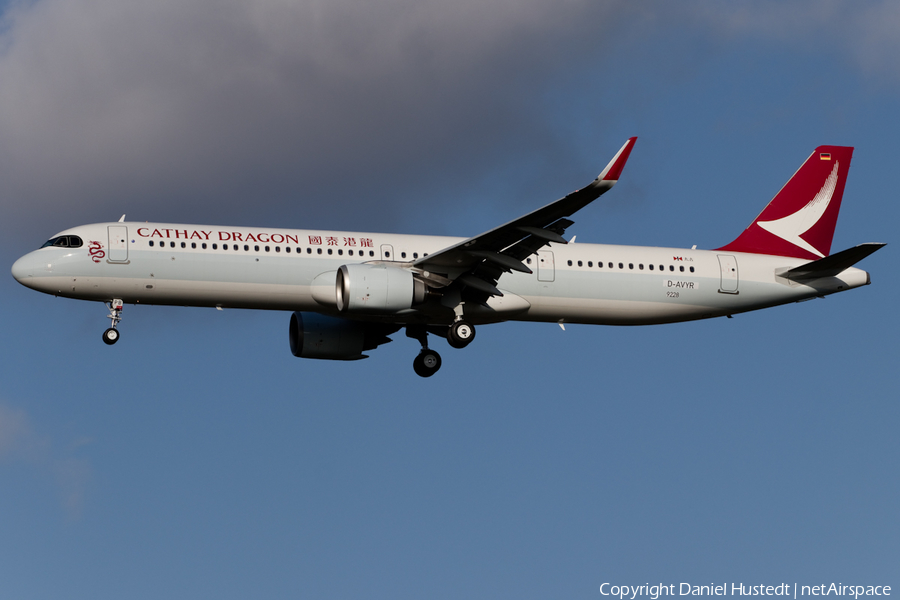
{"type": "Point", "coordinates": [800, 219]}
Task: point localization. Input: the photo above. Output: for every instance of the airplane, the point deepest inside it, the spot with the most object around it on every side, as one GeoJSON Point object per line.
{"type": "Point", "coordinates": [349, 291]}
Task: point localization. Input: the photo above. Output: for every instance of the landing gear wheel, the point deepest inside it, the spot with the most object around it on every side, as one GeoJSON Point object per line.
{"type": "Point", "coordinates": [461, 334]}
{"type": "Point", "coordinates": [111, 336]}
{"type": "Point", "coordinates": [427, 363]}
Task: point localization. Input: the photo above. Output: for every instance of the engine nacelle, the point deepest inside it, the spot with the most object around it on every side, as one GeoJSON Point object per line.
{"type": "Point", "coordinates": [377, 288]}
{"type": "Point", "coordinates": [318, 336]}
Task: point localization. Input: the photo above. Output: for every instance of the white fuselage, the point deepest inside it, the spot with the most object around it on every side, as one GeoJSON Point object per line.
{"type": "Point", "coordinates": [277, 269]}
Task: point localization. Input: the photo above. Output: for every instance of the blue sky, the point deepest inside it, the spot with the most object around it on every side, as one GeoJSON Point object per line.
{"type": "Point", "coordinates": [198, 459]}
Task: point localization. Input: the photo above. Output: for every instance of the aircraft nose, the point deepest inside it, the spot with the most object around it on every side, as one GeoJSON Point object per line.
{"type": "Point", "coordinates": [24, 269]}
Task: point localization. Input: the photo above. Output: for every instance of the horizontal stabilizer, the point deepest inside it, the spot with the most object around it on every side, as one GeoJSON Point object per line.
{"type": "Point", "coordinates": [831, 266]}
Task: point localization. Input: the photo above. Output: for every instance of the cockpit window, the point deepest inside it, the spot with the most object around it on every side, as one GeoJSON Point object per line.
{"type": "Point", "coordinates": [64, 241]}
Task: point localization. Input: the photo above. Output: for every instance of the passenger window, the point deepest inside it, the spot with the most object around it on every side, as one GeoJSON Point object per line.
{"type": "Point", "coordinates": [371, 253]}
{"type": "Point", "coordinates": [329, 251]}
{"type": "Point", "coordinates": [621, 266]}
{"type": "Point", "coordinates": [277, 248]}
{"type": "Point", "coordinates": [415, 255]}
{"type": "Point", "coordinates": [590, 263]}
{"type": "Point", "coordinates": [631, 265]}
{"type": "Point", "coordinates": [651, 267]}
{"type": "Point", "coordinates": [387, 254]}
{"type": "Point", "coordinates": [610, 265]}
{"type": "Point", "coordinates": [151, 243]}
{"type": "Point", "coordinates": [246, 247]}
{"type": "Point", "coordinates": [267, 248]}
{"type": "Point", "coordinates": [287, 249]}
{"type": "Point", "coordinates": [194, 245]}
{"type": "Point", "coordinates": [528, 261]}
{"type": "Point", "coordinates": [215, 247]}
{"type": "Point", "coordinates": [350, 252]}
{"type": "Point", "coordinates": [641, 266]}
{"type": "Point", "coordinates": [340, 252]}
{"type": "Point", "coordinates": [171, 244]}
{"type": "Point", "coordinates": [692, 269]}
{"type": "Point", "coordinates": [403, 255]}
{"type": "Point", "coordinates": [671, 267]}
{"type": "Point", "coordinates": [570, 263]}
{"type": "Point", "coordinates": [309, 250]}
{"type": "Point", "coordinates": [681, 269]}
{"type": "Point", "coordinates": [318, 250]}
{"type": "Point", "coordinates": [203, 245]}
{"type": "Point", "coordinates": [579, 263]}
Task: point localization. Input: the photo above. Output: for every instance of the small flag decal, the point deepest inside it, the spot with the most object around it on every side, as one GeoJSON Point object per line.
{"type": "Point", "coordinates": [825, 156]}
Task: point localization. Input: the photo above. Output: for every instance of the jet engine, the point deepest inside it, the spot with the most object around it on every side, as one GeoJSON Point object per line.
{"type": "Point", "coordinates": [377, 288]}
{"type": "Point", "coordinates": [317, 336]}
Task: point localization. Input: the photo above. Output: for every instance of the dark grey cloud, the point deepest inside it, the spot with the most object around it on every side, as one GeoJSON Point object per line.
{"type": "Point", "coordinates": [317, 112]}
{"type": "Point", "coordinates": [177, 109]}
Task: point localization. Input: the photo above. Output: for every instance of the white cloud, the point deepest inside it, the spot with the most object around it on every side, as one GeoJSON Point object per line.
{"type": "Point", "coordinates": [863, 32]}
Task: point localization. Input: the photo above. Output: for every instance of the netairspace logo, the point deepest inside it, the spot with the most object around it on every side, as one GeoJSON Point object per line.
{"type": "Point", "coordinates": [654, 592]}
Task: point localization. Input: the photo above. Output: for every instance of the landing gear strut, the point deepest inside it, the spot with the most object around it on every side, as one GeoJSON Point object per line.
{"type": "Point", "coordinates": [428, 361]}
{"type": "Point", "coordinates": [111, 335]}
{"type": "Point", "coordinates": [461, 334]}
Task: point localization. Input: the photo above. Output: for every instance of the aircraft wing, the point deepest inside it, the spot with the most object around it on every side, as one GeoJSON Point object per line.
{"type": "Point", "coordinates": [479, 262]}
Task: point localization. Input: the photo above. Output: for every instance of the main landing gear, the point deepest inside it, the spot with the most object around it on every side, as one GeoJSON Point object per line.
{"type": "Point", "coordinates": [428, 361]}
{"type": "Point", "coordinates": [111, 335]}
{"type": "Point", "coordinates": [459, 335]}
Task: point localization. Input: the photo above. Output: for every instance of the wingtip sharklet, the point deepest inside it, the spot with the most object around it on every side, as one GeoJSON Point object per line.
{"type": "Point", "coordinates": [613, 170]}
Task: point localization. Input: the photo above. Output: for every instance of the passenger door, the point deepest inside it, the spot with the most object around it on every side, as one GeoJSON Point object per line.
{"type": "Point", "coordinates": [118, 243]}
{"type": "Point", "coordinates": [728, 268]}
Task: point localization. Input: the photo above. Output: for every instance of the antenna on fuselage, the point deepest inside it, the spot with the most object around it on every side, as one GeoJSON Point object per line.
{"type": "Point", "coordinates": [122, 219]}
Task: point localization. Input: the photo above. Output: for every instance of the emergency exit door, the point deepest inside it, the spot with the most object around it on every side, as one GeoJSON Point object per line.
{"type": "Point", "coordinates": [546, 267]}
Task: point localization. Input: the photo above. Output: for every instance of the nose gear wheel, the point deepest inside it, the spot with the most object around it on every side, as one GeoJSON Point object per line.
{"type": "Point", "coordinates": [111, 335]}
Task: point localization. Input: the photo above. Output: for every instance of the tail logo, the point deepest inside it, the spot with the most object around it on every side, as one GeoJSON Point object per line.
{"type": "Point", "coordinates": [791, 227]}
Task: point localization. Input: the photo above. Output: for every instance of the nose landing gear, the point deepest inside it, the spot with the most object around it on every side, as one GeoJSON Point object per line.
{"type": "Point", "coordinates": [111, 335]}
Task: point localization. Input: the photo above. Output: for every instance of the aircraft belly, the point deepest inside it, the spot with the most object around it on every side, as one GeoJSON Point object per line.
{"type": "Point", "coordinates": [615, 312]}
{"type": "Point", "coordinates": [645, 299]}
